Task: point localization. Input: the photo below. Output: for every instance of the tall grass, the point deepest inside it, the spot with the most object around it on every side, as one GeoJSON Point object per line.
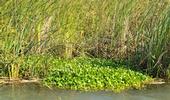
{"type": "Point", "coordinates": [135, 30]}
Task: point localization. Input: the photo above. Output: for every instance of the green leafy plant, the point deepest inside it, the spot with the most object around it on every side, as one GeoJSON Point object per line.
{"type": "Point", "coordinates": [86, 74]}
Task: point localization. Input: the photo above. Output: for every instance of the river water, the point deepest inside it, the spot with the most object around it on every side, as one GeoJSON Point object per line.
{"type": "Point", "coordinates": [37, 92]}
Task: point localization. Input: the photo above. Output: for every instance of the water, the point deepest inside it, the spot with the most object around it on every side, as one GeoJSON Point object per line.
{"type": "Point", "coordinates": [37, 92]}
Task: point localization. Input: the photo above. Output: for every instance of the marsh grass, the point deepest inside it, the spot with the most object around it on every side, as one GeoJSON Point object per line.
{"type": "Point", "coordinates": [133, 30]}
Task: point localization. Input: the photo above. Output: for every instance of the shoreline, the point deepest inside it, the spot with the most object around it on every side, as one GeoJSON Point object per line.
{"type": "Point", "coordinates": [6, 80]}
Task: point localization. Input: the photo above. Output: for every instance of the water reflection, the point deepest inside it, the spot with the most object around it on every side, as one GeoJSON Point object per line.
{"type": "Point", "coordinates": [37, 92]}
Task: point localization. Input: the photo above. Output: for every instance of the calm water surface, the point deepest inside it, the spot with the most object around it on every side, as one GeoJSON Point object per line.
{"type": "Point", "coordinates": [37, 92]}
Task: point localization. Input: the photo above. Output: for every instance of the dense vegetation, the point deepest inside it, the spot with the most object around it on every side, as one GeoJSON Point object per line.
{"type": "Point", "coordinates": [82, 73]}
{"type": "Point", "coordinates": [93, 74]}
{"type": "Point", "coordinates": [132, 31]}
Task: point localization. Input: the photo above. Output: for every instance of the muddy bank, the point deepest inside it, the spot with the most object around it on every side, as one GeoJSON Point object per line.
{"type": "Point", "coordinates": [6, 80]}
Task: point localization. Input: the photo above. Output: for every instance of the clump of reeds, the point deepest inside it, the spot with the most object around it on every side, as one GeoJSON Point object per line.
{"type": "Point", "coordinates": [137, 30]}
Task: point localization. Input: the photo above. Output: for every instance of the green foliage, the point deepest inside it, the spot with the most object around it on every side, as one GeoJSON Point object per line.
{"type": "Point", "coordinates": [93, 74]}
{"type": "Point", "coordinates": [35, 66]}
{"type": "Point", "coordinates": [133, 30]}
{"type": "Point", "coordinates": [79, 73]}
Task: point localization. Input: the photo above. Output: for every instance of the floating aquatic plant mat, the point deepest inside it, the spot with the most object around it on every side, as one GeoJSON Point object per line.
{"type": "Point", "coordinates": [93, 74]}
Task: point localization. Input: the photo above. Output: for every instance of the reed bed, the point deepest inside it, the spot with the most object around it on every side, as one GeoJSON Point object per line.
{"type": "Point", "coordinates": [137, 31]}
